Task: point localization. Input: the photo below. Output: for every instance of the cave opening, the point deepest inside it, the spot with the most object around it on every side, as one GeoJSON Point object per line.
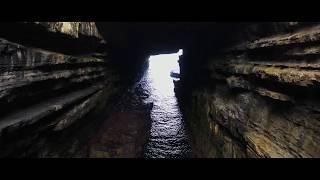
{"type": "Point", "coordinates": [162, 70]}
{"type": "Point", "coordinates": [168, 135]}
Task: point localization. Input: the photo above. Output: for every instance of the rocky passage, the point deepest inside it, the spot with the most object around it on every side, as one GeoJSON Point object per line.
{"type": "Point", "coordinates": [169, 137]}
{"type": "Point", "coordinates": [244, 90]}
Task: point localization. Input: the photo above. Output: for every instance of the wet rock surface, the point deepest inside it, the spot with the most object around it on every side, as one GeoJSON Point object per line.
{"type": "Point", "coordinates": [125, 131]}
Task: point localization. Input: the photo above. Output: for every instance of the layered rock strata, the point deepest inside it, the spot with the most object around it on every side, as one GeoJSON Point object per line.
{"type": "Point", "coordinates": [259, 97]}
{"type": "Point", "coordinates": [44, 89]}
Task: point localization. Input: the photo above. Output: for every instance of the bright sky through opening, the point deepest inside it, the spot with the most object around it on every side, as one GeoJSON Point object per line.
{"type": "Point", "coordinates": [160, 67]}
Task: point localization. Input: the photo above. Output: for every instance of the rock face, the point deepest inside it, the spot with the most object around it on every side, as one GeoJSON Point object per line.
{"type": "Point", "coordinates": [43, 91]}
{"type": "Point", "coordinates": [74, 29]}
{"type": "Point", "coordinates": [246, 89]}
{"type": "Point", "coordinates": [72, 38]}
{"type": "Point", "coordinates": [258, 97]}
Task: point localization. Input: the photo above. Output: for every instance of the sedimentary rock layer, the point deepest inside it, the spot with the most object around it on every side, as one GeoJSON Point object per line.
{"type": "Point", "coordinates": [260, 97]}
{"type": "Point", "coordinates": [43, 89]}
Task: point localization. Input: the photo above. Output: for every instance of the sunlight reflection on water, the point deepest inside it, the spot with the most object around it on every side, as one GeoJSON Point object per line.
{"type": "Point", "coordinates": [168, 134]}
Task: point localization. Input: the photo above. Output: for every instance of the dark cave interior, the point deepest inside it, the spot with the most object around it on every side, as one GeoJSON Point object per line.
{"type": "Point", "coordinates": [76, 89]}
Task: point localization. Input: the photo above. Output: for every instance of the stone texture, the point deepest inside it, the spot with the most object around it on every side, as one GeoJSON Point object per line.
{"type": "Point", "coordinates": [74, 29]}
{"type": "Point", "coordinates": [259, 97]}
{"type": "Point", "coordinates": [77, 112]}
{"type": "Point", "coordinates": [307, 35]}
{"type": "Point", "coordinates": [23, 67]}
{"type": "Point", "coordinates": [16, 56]}
{"type": "Point", "coordinates": [43, 92]}
{"type": "Point", "coordinates": [36, 112]}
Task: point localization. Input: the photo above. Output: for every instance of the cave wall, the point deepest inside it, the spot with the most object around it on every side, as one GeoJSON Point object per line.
{"type": "Point", "coordinates": [246, 89]}
{"type": "Point", "coordinates": [53, 74]}
{"type": "Point", "coordinates": [257, 95]}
